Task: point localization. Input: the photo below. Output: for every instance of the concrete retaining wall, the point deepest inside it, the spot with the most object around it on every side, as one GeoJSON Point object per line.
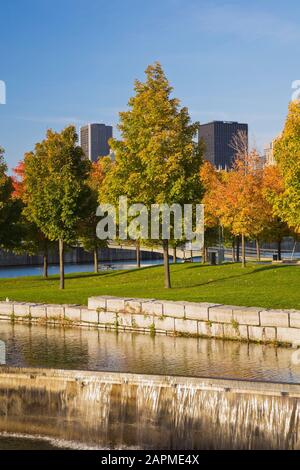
{"type": "Point", "coordinates": [117, 410]}
{"type": "Point", "coordinates": [159, 316]}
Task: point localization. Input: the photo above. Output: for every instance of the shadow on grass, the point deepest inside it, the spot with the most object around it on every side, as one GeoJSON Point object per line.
{"type": "Point", "coordinates": [110, 273]}
{"type": "Point", "coordinates": [255, 270]}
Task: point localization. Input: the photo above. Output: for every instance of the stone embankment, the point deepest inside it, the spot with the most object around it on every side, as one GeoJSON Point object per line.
{"type": "Point", "coordinates": [162, 316]}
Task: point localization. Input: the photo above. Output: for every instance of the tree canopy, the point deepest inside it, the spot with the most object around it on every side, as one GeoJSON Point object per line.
{"type": "Point", "coordinates": [157, 160]}
{"type": "Point", "coordinates": [287, 155]}
{"type": "Point", "coordinates": [56, 191]}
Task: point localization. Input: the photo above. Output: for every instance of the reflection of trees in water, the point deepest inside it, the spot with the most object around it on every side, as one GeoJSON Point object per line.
{"type": "Point", "coordinates": [46, 347]}
{"type": "Point", "coordinates": [90, 349]}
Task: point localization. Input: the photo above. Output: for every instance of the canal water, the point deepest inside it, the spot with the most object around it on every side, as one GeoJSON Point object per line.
{"type": "Point", "coordinates": [100, 350]}
{"type": "Point", "coordinates": [19, 271]}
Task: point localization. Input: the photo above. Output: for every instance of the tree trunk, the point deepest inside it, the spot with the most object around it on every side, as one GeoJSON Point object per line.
{"type": "Point", "coordinates": [233, 251]}
{"type": "Point", "coordinates": [45, 263]}
{"type": "Point", "coordinates": [138, 255]}
{"type": "Point", "coordinates": [237, 249]}
{"type": "Point", "coordinates": [279, 250]}
{"type": "Point", "coordinates": [96, 267]}
{"type": "Point", "coordinates": [192, 256]}
{"type": "Point", "coordinates": [257, 250]}
{"type": "Point", "coordinates": [204, 254]}
{"type": "Point", "coordinates": [61, 264]}
{"type": "Point", "coordinates": [166, 264]}
{"type": "Point", "coordinates": [243, 251]}
{"type": "Point", "coordinates": [174, 255]}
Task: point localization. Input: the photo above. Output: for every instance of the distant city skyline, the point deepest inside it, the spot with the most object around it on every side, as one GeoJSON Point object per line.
{"type": "Point", "coordinates": [94, 139]}
{"type": "Point", "coordinates": [218, 137]}
{"type": "Point", "coordinates": [227, 61]}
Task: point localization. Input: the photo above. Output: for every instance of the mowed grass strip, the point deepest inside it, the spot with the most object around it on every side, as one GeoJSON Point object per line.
{"type": "Point", "coordinates": [266, 286]}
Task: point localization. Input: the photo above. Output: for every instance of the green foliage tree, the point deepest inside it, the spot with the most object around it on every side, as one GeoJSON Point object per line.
{"type": "Point", "coordinates": [56, 191]}
{"type": "Point", "coordinates": [157, 160]}
{"type": "Point", "coordinates": [287, 155]}
{"type": "Point", "coordinates": [34, 241]}
{"type": "Point", "coordinates": [87, 229]}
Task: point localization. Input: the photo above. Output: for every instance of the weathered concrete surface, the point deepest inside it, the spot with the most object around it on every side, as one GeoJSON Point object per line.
{"type": "Point", "coordinates": [6, 308]}
{"type": "Point", "coordinates": [274, 318]}
{"type": "Point", "coordinates": [186, 326]}
{"type": "Point", "coordinates": [152, 307]}
{"type": "Point", "coordinates": [73, 313]}
{"type": "Point", "coordinates": [221, 314]}
{"type": "Point", "coordinates": [90, 316]}
{"type": "Point", "coordinates": [103, 408]}
{"type": "Point", "coordinates": [288, 335]}
{"type": "Point", "coordinates": [21, 309]}
{"type": "Point", "coordinates": [173, 309]}
{"type": "Point", "coordinates": [264, 334]}
{"type": "Point", "coordinates": [246, 315]}
{"type": "Point", "coordinates": [294, 319]}
{"type": "Point", "coordinates": [197, 311]}
{"type": "Point", "coordinates": [55, 311]}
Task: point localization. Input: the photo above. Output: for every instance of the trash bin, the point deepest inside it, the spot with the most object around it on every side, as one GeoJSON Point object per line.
{"type": "Point", "coordinates": [213, 258]}
{"type": "Point", "coordinates": [275, 257]}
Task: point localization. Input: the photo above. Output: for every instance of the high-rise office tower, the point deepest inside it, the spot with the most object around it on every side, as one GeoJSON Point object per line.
{"type": "Point", "coordinates": [94, 140]}
{"type": "Point", "coordinates": [269, 152]}
{"type": "Point", "coordinates": [218, 136]}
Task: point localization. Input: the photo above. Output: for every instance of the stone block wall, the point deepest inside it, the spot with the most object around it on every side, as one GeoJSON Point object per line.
{"type": "Point", "coordinates": [161, 316]}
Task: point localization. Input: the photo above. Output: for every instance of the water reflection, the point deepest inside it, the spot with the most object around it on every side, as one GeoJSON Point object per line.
{"type": "Point", "coordinates": [90, 349]}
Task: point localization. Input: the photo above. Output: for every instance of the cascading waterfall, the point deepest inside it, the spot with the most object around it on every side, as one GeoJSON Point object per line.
{"type": "Point", "coordinates": [120, 410]}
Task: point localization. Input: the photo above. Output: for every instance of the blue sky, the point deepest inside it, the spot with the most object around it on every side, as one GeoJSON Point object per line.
{"type": "Point", "coordinates": [74, 61]}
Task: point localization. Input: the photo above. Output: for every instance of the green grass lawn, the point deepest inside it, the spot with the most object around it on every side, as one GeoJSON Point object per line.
{"type": "Point", "coordinates": [256, 285]}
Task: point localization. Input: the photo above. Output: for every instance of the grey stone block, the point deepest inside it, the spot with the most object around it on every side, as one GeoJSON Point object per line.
{"type": "Point", "coordinates": [217, 330]}
{"type": "Point", "coordinates": [186, 326]}
{"type": "Point", "coordinates": [89, 316]}
{"type": "Point", "coordinates": [116, 304]}
{"type": "Point", "coordinates": [152, 308]}
{"type": "Point", "coordinates": [166, 324]}
{"type": "Point", "coordinates": [142, 321]}
{"type": "Point", "coordinates": [38, 311]}
{"type": "Point", "coordinates": [6, 308]}
{"type": "Point", "coordinates": [73, 313]}
{"type": "Point", "coordinates": [108, 318]}
{"type": "Point", "coordinates": [124, 319]}
{"type": "Point", "coordinates": [295, 319]}
{"type": "Point", "coordinates": [288, 335]}
{"type": "Point", "coordinates": [21, 309]}
{"type": "Point", "coordinates": [221, 314]}
{"type": "Point", "coordinates": [133, 306]}
{"type": "Point", "coordinates": [173, 309]}
{"type": "Point", "coordinates": [97, 302]}
{"type": "Point", "coordinates": [274, 318]}
{"type": "Point", "coordinates": [262, 333]}
{"type": "Point", "coordinates": [204, 328]}
{"type": "Point", "coordinates": [198, 311]}
{"type": "Point", "coordinates": [246, 315]}
{"type": "Point", "coordinates": [55, 311]}
{"type": "Point", "coordinates": [235, 332]}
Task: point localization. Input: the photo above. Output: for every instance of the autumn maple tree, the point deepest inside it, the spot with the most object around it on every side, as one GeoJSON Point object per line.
{"type": "Point", "coordinates": [235, 197]}
{"type": "Point", "coordinates": [157, 160]}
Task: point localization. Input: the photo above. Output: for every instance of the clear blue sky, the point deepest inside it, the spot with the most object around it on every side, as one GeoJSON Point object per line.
{"type": "Point", "coordinates": [74, 61]}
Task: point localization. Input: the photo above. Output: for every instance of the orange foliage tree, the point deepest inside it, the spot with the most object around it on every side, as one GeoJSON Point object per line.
{"type": "Point", "coordinates": [235, 198]}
